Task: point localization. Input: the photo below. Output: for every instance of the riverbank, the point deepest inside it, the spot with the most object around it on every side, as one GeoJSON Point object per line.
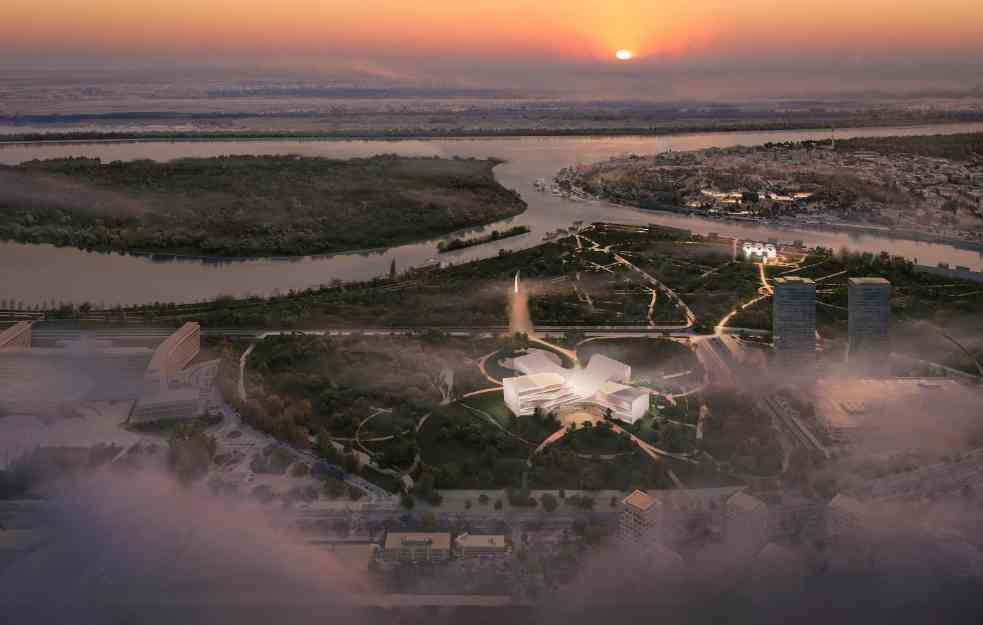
{"type": "Point", "coordinates": [42, 274]}
{"type": "Point", "coordinates": [396, 134]}
{"type": "Point", "coordinates": [494, 235]}
{"type": "Point", "coordinates": [882, 231]}
{"type": "Point", "coordinates": [923, 188]}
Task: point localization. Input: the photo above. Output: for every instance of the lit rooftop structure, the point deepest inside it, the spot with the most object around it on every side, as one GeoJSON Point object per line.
{"type": "Point", "coordinates": [757, 250]}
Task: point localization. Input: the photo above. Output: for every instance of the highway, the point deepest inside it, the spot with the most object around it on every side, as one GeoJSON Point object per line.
{"type": "Point", "coordinates": [52, 331]}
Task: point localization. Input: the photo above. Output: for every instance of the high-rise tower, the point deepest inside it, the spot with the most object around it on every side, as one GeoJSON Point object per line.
{"type": "Point", "coordinates": [794, 326]}
{"type": "Point", "coordinates": [870, 314]}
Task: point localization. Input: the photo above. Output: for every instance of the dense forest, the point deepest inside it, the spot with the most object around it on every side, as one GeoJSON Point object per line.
{"type": "Point", "coordinates": [248, 205]}
{"type": "Point", "coordinates": [958, 147]}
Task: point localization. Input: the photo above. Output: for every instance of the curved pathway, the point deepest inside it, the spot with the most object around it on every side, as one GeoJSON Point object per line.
{"type": "Point", "coordinates": [242, 372]}
{"type": "Point", "coordinates": [657, 284]}
{"type": "Point", "coordinates": [358, 429]}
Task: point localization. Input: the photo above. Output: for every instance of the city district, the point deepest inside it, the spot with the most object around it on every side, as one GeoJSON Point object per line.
{"type": "Point", "coordinates": [639, 389]}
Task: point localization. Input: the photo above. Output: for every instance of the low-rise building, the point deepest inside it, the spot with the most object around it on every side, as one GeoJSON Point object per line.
{"type": "Point", "coordinates": [176, 404]}
{"type": "Point", "coordinates": [673, 518]}
{"type": "Point", "coordinates": [417, 547]}
{"type": "Point", "coordinates": [480, 545]}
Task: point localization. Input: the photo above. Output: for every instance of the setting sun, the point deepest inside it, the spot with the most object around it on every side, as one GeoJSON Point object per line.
{"type": "Point", "coordinates": [624, 55]}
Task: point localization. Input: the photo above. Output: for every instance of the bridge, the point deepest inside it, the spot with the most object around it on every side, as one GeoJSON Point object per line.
{"type": "Point", "coordinates": [17, 336]}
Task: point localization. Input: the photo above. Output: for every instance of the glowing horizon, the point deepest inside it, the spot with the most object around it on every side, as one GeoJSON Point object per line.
{"type": "Point", "coordinates": [706, 49]}
{"type": "Point", "coordinates": [483, 27]}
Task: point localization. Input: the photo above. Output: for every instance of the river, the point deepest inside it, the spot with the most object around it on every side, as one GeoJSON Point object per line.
{"type": "Point", "coordinates": [34, 274]}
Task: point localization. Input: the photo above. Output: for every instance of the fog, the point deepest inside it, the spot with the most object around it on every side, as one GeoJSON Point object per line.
{"type": "Point", "coordinates": [141, 549]}
{"type": "Point", "coordinates": [706, 77]}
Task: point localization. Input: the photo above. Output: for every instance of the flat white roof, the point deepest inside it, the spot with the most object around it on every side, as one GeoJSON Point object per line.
{"type": "Point", "coordinates": [479, 541]}
{"type": "Point", "coordinates": [436, 540]}
{"type": "Point", "coordinates": [598, 371]}
{"type": "Point", "coordinates": [537, 361]}
{"type": "Point", "coordinates": [623, 392]}
{"type": "Point", "coordinates": [535, 381]}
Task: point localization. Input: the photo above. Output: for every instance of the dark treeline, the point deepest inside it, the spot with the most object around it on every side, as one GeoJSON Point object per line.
{"type": "Point", "coordinates": [248, 205]}
{"type": "Point", "coordinates": [959, 147]}
{"type": "Point", "coordinates": [494, 235]}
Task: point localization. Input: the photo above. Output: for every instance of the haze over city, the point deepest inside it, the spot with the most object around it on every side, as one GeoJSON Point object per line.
{"type": "Point", "coordinates": [756, 47]}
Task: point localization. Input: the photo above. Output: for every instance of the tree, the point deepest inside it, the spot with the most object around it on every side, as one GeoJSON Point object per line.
{"type": "Point", "coordinates": [325, 448]}
{"type": "Point", "coordinates": [549, 502]}
{"type": "Point", "coordinates": [392, 269]}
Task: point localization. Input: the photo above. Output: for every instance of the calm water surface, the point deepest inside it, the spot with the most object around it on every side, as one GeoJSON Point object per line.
{"type": "Point", "coordinates": [40, 273]}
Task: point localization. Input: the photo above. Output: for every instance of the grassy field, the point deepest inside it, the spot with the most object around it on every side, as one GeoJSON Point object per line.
{"type": "Point", "coordinates": [248, 205]}
{"type": "Point", "coordinates": [462, 450]}
{"type": "Point", "coordinates": [650, 359]}
{"type": "Point", "coordinates": [493, 405]}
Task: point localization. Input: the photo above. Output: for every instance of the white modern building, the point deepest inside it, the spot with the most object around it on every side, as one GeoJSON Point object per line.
{"type": "Point", "coordinates": [756, 250]}
{"type": "Point", "coordinates": [547, 385]}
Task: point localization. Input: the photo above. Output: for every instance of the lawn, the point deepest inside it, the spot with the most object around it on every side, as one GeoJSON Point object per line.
{"type": "Point", "coordinates": [650, 359]}
{"type": "Point", "coordinates": [597, 440]}
{"type": "Point", "coordinates": [492, 404]}
{"type": "Point", "coordinates": [455, 435]}
{"type": "Point", "coordinates": [382, 480]}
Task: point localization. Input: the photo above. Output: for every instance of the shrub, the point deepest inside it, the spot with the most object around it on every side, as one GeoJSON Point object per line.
{"type": "Point", "coordinates": [549, 502]}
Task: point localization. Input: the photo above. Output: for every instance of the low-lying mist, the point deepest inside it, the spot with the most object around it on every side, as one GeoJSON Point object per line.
{"type": "Point", "coordinates": [141, 549]}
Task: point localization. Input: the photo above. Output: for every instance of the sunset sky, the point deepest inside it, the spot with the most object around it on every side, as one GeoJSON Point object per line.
{"type": "Point", "coordinates": [912, 37]}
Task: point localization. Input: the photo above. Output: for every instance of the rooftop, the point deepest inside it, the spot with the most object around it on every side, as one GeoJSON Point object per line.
{"type": "Point", "coordinates": [536, 380]}
{"type": "Point", "coordinates": [640, 500]}
{"type": "Point", "coordinates": [623, 392]}
{"type": "Point", "coordinates": [538, 361]}
{"type": "Point", "coordinates": [793, 280]}
{"type": "Point", "coordinates": [480, 540]}
{"type": "Point", "coordinates": [882, 281]}
{"type": "Point", "coordinates": [435, 540]}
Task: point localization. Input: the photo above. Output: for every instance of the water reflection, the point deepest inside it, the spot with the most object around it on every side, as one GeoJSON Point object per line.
{"type": "Point", "coordinates": [37, 273]}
